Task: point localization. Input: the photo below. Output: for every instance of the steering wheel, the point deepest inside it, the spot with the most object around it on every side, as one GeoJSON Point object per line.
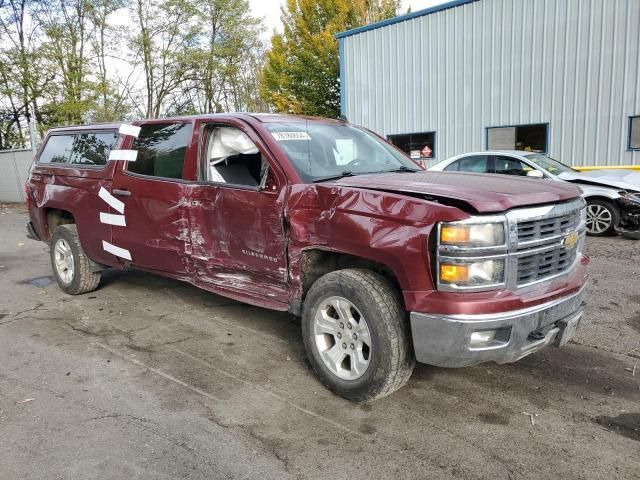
{"type": "Point", "coordinates": [355, 162]}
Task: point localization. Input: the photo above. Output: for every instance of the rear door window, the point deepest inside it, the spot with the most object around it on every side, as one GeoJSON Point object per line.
{"type": "Point", "coordinates": [93, 148]}
{"type": "Point", "coordinates": [58, 149]}
{"type": "Point", "coordinates": [161, 149]}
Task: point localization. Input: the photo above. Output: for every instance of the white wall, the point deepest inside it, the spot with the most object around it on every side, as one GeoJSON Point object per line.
{"type": "Point", "coordinates": [14, 169]}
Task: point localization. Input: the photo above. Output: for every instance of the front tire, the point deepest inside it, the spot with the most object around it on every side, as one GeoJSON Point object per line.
{"type": "Point", "coordinates": [356, 334]}
{"type": "Point", "coordinates": [71, 266]}
{"type": "Point", "coordinates": [602, 217]}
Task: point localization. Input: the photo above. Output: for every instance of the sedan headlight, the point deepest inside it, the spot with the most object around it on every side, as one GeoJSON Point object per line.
{"type": "Point", "coordinates": [472, 235]}
{"type": "Point", "coordinates": [472, 274]}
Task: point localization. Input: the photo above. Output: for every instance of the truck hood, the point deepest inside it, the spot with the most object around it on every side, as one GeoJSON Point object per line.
{"type": "Point", "coordinates": [619, 179]}
{"type": "Point", "coordinates": [481, 192]}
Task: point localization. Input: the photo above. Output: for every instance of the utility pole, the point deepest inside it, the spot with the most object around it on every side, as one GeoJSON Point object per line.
{"type": "Point", "coordinates": [32, 135]}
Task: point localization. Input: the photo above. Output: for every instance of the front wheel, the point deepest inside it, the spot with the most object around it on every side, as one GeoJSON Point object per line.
{"type": "Point", "coordinates": [602, 217]}
{"type": "Point", "coordinates": [356, 334]}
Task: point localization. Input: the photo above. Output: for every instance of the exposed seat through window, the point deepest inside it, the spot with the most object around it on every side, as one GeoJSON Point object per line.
{"type": "Point", "coordinates": [233, 158]}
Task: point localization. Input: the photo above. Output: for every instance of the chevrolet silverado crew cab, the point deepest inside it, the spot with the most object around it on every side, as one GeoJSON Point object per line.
{"type": "Point", "coordinates": [385, 263]}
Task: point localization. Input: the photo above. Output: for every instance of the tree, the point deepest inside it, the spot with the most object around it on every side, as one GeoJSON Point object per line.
{"type": "Point", "coordinates": [224, 57]}
{"type": "Point", "coordinates": [111, 103]}
{"type": "Point", "coordinates": [22, 78]}
{"type": "Point", "coordinates": [229, 47]}
{"type": "Point", "coordinates": [67, 46]}
{"type": "Point", "coordinates": [163, 44]}
{"type": "Point", "coordinates": [301, 74]}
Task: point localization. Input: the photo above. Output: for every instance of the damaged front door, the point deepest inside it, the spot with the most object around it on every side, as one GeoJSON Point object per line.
{"type": "Point", "coordinates": [236, 218]}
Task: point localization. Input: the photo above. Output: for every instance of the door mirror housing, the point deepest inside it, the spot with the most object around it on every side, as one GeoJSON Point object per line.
{"type": "Point", "coordinates": [535, 174]}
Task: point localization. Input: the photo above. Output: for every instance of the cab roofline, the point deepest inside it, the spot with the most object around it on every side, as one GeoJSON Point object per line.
{"type": "Point", "coordinates": [261, 117]}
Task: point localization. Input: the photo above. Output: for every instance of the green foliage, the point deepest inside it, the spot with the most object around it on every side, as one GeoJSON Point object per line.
{"type": "Point", "coordinates": [77, 61]}
{"type": "Point", "coordinates": [301, 74]}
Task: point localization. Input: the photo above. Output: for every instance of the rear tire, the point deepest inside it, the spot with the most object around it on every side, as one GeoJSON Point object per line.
{"type": "Point", "coordinates": [71, 266]}
{"type": "Point", "coordinates": [602, 217]}
{"type": "Point", "coordinates": [376, 363]}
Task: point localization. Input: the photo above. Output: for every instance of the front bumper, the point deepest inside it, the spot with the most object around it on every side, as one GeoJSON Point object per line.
{"type": "Point", "coordinates": [445, 340]}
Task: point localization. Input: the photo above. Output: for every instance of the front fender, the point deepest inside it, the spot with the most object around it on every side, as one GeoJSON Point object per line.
{"type": "Point", "coordinates": [387, 228]}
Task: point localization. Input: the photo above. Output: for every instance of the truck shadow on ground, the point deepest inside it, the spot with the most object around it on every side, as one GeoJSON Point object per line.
{"type": "Point", "coordinates": [547, 378]}
{"type": "Point", "coordinates": [576, 368]}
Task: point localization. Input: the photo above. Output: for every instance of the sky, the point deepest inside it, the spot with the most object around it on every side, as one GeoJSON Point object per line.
{"type": "Point", "coordinates": [270, 10]}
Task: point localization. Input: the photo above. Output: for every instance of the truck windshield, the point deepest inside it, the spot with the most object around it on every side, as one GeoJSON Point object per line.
{"type": "Point", "coordinates": [322, 151]}
{"type": "Point", "coordinates": [552, 166]}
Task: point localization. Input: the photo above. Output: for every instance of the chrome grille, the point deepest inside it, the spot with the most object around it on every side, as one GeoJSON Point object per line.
{"type": "Point", "coordinates": [539, 249]}
{"type": "Point", "coordinates": [548, 228]}
{"type": "Point", "coordinates": [539, 266]}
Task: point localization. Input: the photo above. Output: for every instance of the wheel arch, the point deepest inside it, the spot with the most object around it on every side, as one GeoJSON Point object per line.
{"type": "Point", "coordinates": [55, 217]}
{"type": "Point", "coordinates": [601, 196]}
{"type": "Point", "coordinates": [316, 262]}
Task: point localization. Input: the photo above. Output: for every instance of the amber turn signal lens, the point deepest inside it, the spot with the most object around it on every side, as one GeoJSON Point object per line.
{"type": "Point", "coordinates": [455, 235]}
{"type": "Point", "coordinates": [454, 273]}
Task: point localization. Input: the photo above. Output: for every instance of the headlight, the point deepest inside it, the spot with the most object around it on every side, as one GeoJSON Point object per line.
{"type": "Point", "coordinates": [472, 235]}
{"type": "Point", "coordinates": [472, 274]}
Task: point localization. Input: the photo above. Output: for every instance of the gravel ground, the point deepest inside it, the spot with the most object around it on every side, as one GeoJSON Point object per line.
{"type": "Point", "coordinates": [152, 378]}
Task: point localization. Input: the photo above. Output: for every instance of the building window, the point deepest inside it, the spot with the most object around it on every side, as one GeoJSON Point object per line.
{"type": "Point", "coordinates": [530, 138]}
{"type": "Point", "coordinates": [634, 133]}
{"type": "Point", "coordinates": [419, 146]}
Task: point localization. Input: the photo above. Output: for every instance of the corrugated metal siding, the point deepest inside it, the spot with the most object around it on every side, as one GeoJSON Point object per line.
{"type": "Point", "coordinates": [573, 64]}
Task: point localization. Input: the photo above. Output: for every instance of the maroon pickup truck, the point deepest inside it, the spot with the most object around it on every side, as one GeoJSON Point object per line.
{"type": "Point", "coordinates": [385, 263]}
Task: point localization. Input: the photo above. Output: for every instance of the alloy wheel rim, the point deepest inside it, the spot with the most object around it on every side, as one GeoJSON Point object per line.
{"type": "Point", "coordinates": [342, 338]}
{"type": "Point", "coordinates": [63, 259]}
{"type": "Point", "coordinates": [598, 218]}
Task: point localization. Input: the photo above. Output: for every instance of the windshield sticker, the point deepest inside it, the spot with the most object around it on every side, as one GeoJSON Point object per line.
{"type": "Point", "coordinates": [286, 136]}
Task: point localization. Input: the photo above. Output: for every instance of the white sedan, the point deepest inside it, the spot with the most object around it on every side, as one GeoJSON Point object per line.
{"type": "Point", "coordinates": [607, 192]}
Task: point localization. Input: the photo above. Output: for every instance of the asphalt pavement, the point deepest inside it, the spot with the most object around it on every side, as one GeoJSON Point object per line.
{"type": "Point", "coordinates": [150, 378]}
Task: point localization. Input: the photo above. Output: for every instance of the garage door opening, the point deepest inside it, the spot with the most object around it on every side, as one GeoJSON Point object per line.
{"type": "Point", "coordinates": [530, 138]}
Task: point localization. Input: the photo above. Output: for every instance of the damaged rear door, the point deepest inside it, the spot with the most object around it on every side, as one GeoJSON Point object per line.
{"type": "Point", "coordinates": [155, 197]}
{"type": "Point", "coordinates": [236, 216]}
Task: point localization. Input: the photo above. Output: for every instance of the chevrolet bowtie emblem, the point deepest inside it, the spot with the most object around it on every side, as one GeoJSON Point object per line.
{"type": "Point", "coordinates": [570, 240]}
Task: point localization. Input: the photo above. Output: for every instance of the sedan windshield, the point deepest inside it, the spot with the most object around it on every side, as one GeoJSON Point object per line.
{"type": "Point", "coordinates": [552, 166]}
{"type": "Point", "coordinates": [323, 151]}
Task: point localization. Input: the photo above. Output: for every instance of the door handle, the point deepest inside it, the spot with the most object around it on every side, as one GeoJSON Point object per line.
{"type": "Point", "coordinates": [124, 193]}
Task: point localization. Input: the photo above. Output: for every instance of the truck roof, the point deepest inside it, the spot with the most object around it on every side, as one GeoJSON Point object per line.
{"type": "Point", "coordinates": [261, 117]}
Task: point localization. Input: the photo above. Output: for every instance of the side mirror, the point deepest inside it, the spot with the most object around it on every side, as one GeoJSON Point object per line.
{"type": "Point", "coordinates": [535, 174]}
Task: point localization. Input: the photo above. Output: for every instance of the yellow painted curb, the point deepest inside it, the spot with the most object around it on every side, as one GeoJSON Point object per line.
{"type": "Point", "coordinates": [623, 167]}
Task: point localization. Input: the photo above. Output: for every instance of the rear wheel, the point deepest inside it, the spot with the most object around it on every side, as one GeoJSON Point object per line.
{"type": "Point", "coordinates": [356, 334]}
{"type": "Point", "coordinates": [602, 217]}
{"type": "Point", "coordinates": [71, 266]}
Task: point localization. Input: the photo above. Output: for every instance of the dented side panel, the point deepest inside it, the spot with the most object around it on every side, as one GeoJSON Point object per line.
{"type": "Point", "coordinates": [73, 190]}
{"type": "Point", "coordinates": [157, 231]}
{"type": "Point", "coordinates": [390, 229]}
{"type": "Point", "coordinates": [238, 241]}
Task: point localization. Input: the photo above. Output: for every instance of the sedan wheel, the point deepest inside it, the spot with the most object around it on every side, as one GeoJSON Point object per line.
{"type": "Point", "coordinates": [602, 217]}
